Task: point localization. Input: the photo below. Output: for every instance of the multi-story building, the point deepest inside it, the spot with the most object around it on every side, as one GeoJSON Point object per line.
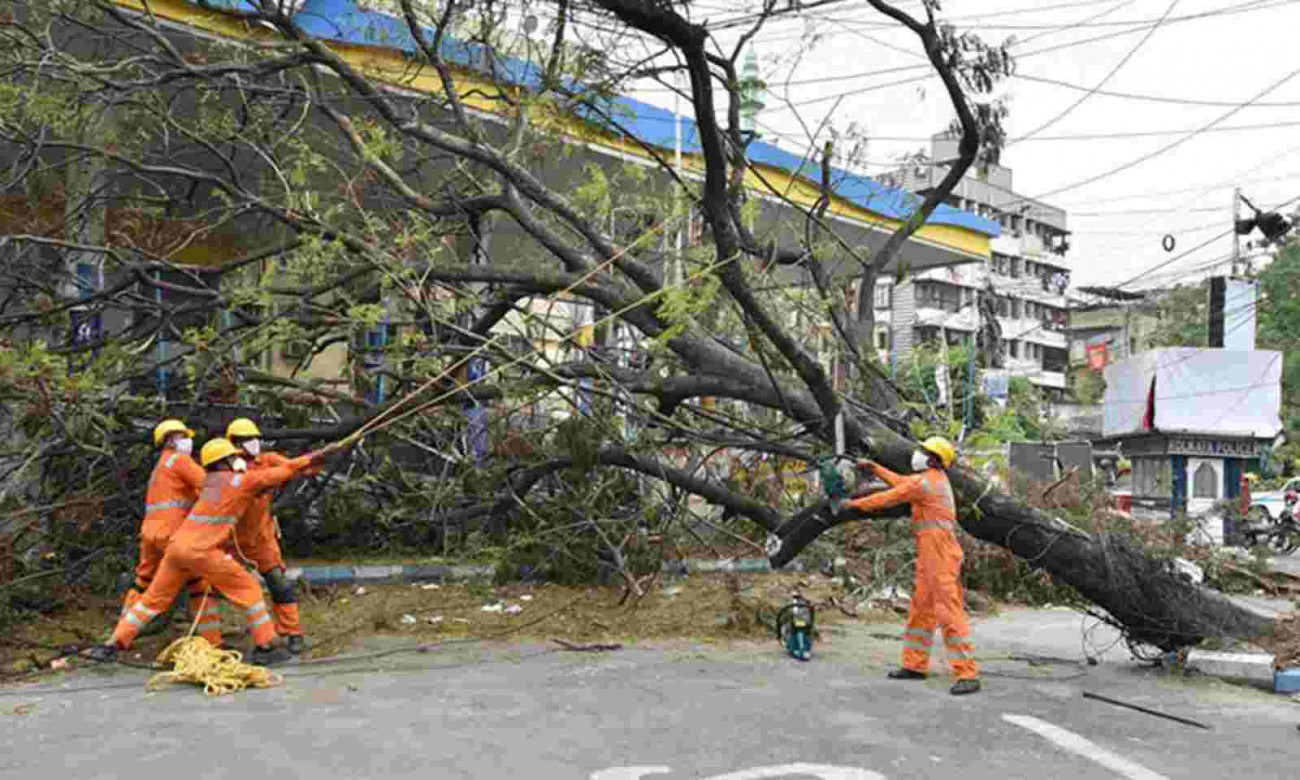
{"type": "Point", "coordinates": [1026, 276]}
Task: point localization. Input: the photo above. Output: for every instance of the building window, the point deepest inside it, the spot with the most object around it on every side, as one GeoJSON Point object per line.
{"type": "Point", "coordinates": [1003, 307]}
{"type": "Point", "coordinates": [882, 339]}
{"type": "Point", "coordinates": [1016, 308]}
{"type": "Point", "coordinates": [883, 295]}
{"type": "Point", "coordinates": [1013, 348]}
{"type": "Point", "coordinates": [1205, 482]}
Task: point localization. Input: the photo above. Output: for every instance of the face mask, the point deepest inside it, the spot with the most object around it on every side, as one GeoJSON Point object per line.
{"type": "Point", "coordinates": [239, 464]}
{"type": "Point", "coordinates": [920, 461]}
{"type": "Point", "coordinates": [184, 446]}
{"type": "Point", "coordinates": [253, 447]}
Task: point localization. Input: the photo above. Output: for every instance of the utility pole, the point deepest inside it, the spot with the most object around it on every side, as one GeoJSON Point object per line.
{"type": "Point", "coordinates": [1236, 237]}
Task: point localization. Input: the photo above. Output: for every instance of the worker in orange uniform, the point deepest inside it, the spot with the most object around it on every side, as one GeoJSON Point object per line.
{"type": "Point", "coordinates": [198, 549]}
{"type": "Point", "coordinates": [937, 600]}
{"type": "Point", "coordinates": [173, 489]}
{"type": "Point", "coordinates": [258, 536]}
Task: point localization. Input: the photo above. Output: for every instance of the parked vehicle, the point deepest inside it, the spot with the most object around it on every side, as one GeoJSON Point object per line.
{"type": "Point", "coordinates": [1273, 502]}
{"type": "Point", "coordinates": [1282, 534]}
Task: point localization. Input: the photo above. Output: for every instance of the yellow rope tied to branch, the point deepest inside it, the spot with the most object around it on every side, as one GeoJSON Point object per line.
{"type": "Point", "coordinates": [219, 671]}
{"type": "Point", "coordinates": [390, 416]}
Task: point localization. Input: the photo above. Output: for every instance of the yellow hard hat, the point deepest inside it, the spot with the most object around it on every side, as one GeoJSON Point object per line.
{"type": "Point", "coordinates": [941, 447]}
{"type": "Point", "coordinates": [215, 450]}
{"type": "Point", "coordinates": [1252, 477]}
{"type": "Point", "coordinates": [243, 428]}
{"type": "Point", "coordinates": [169, 426]}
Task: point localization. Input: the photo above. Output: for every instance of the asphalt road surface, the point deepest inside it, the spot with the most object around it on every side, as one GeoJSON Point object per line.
{"type": "Point", "coordinates": [666, 713]}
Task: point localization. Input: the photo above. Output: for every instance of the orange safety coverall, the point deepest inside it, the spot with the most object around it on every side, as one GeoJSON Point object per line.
{"type": "Point", "coordinates": [197, 549]}
{"type": "Point", "coordinates": [937, 599]}
{"type": "Point", "coordinates": [173, 489]}
{"type": "Point", "coordinates": [259, 542]}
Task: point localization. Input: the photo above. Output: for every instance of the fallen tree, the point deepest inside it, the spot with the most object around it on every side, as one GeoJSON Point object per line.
{"type": "Point", "coordinates": [342, 194]}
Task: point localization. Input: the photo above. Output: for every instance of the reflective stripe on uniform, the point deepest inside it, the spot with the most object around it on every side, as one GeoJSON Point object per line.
{"type": "Point", "coordinates": [258, 607]}
{"type": "Point", "coordinates": [918, 639]}
{"type": "Point", "coordinates": [928, 524]}
{"type": "Point", "coordinates": [172, 460]}
{"type": "Point", "coordinates": [958, 645]}
{"type": "Point", "coordinates": [138, 620]}
{"type": "Point", "coordinates": [263, 619]}
{"type": "Point", "coordinates": [213, 519]}
{"type": "Point", "coordinates": [161, 505]}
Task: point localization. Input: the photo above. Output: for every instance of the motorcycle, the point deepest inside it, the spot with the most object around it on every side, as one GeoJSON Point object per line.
{"type": "Point", "coordinates": [1282, 535]}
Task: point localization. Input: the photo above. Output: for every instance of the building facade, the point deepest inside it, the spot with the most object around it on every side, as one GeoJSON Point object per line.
{"type": "Point", "coordinates": [1025, 278]}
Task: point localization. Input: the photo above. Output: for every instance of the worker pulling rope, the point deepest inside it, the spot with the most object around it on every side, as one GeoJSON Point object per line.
{"type": "Point", "coordinates": [195, 660]}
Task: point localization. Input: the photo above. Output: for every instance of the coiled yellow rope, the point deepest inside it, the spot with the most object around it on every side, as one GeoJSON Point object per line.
{"type": "Point", "coordinates": [219, 671]}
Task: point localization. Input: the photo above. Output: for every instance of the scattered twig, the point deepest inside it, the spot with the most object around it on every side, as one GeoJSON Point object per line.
{"type": "Point", "coordinates": [589, 648]}
{"type": "Point", "coordinates": [1073, 470]}
{"type": "Point", "coordinates": [835, 603]}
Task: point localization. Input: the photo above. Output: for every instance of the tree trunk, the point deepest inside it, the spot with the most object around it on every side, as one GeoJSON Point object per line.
{"type": "Point", "coordinates": [1153, 602]}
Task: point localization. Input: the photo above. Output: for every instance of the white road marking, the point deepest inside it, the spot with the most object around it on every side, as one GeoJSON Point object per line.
{"type": "Point", "coordinates": [819, 771]}
{"type": "Point", "coordinates": [1074, 743]}
{"type": "Point", "coordinates": [629, 772]}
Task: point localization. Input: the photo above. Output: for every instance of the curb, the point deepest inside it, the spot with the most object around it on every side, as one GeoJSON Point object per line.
{"type": "Point", "coordinates": [1254, 667]}
{"type": "Point", "coordinates": [436, 573]}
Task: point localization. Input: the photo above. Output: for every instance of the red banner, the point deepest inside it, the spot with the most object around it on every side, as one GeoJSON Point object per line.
{"type": "Point", "coordinates": [1096, 356]}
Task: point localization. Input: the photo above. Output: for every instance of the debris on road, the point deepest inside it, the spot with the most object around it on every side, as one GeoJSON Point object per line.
{"type": "Point", "coordinates": [1286, 641]}
{"type": "Point", "coordinates": [1147, 710]}
{"type": "Point", "coordinates": [430, 586]}
{"type": "Point", "coordinates": [594, 647]}
{"type": "Point", "coordinates": [514, 609]}
{"type": "Point", "coordinates": [435, 620]}
{"type": "Point", "coordinates": [408, 620]}
{"type": "Point", "coordinates": [360, 590]}
{"type": "Point", "coordinates": [497, 607]}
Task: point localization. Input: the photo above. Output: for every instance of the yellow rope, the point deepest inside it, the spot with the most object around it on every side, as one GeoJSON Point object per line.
{"type": "Point", "coordinates": [388, 417]}
{"type": "Point", "coordinates": [219, 671]}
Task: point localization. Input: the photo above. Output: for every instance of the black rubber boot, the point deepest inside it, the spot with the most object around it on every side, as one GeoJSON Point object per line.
{"type": "Point", "coordinates": [103, 653]}
{"type": "Point", "coordinates": [269, 656]}
{"type": "Point", "coordinates": [964, 687]}
{"type": "Point", "coordinates": [296, 643]}
{"type": "Point", "coordinates": [905, 674]}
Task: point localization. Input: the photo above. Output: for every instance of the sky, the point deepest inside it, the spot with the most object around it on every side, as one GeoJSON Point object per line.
{"type": "Point", "coordinates": [1240, 57]}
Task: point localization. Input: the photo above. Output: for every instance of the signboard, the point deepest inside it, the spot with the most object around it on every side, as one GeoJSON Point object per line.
{"type": "Point", "coordinates": [1096, 356]}
{"type": "Point", "coordinates": [1221, 448]}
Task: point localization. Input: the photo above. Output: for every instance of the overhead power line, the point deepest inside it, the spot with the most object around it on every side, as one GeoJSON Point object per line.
{"type": "Point", "coordinates": [1109, 75]}
{"type": "Point", "coordinates": [1168, 147]}
{"type": "Point", "coordinates": [1154, 98]}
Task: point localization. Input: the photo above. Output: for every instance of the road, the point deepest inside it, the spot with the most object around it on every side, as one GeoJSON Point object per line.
{"type": "Point", "coordinates": [666, 712]}
{"type": "Point", "coordinates": [1286, 563]}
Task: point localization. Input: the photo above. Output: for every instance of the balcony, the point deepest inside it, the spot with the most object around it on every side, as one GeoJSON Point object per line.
{"type": "Point", "coordinates": [965, 320]}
